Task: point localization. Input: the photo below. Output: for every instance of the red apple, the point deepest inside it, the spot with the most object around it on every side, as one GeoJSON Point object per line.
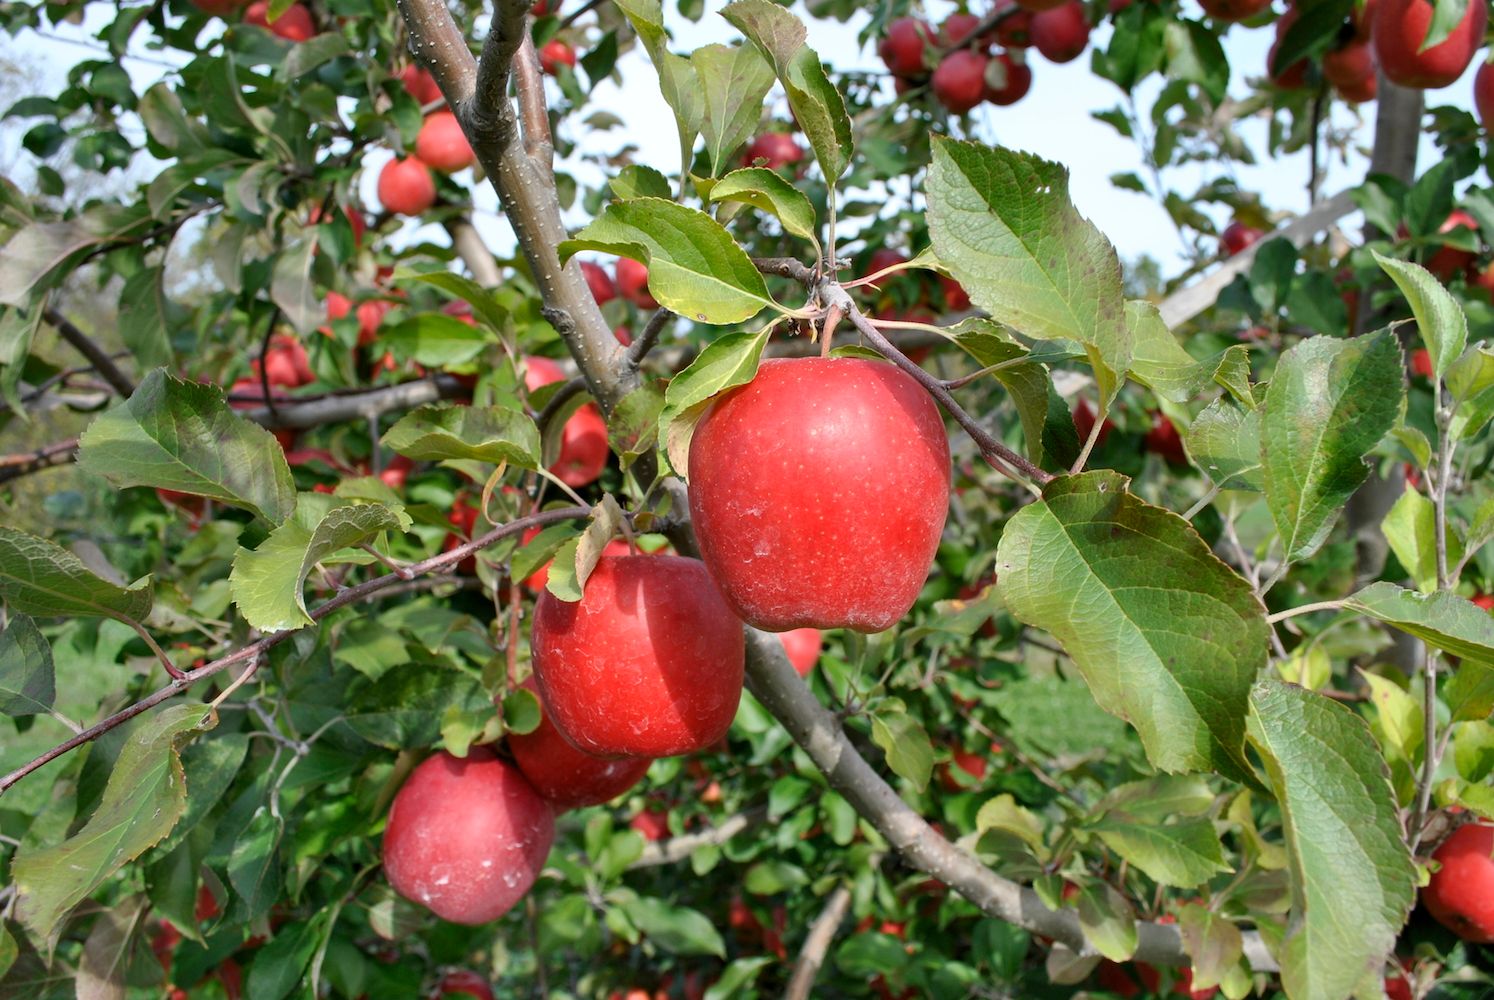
{"type": "Point", "coordinates": [396, 472]}
{"type": "Point", "coordinates": [555, 54]}
{"type": "Point", "coordinates": [905, 45]}
{"type": "Point", "coordinates": [535, 582]}
{"type": "Point", "coordinates": [956, 299]}
{"type": "Point", "coordinates": [466, 837]}
{"type": "Point", "coordinates": [972, 765]}
{"type": "Point", "coordinates": [1446, 261]}
{"type": "Point", "coordinates": [1163, 439]}
{"type": "Point", "coordinates": [420, 84]}
{"type": "Point", "coordinates": [1421, 362]}
{"type": "Point", "coordinates": [286, 363]}
{"type": "Point", "coordinates": [774, 466]}
{"type": "Point", "coordinates": [294, 25]}
{"type": "Point", "coordinates": [1292, 77]}
{"type": "Point", "coordinates": [568, 778]}
{"type": "Point", "coordinates": [632, 283]}
{"type": "Point", "coordinates": [1401, 27]}
{"type": "Point", "coordinates": [1485, 601]}
{"type": "Point", "coordinates": [1348, 65]}
{"type": "Point", "coordinates": [1012, 30]}
{"type": "Point", "coordinates": [1460, 894]}
{"type": "Point", "coordinates": [960, 81]}
{"type": "Point", "coordinates": [1041, 5]}
{"type": "Point", "coordinates": [441, 144]}
{"type": "Point", "coordinates": [1483, 94]}
{"type": "Point", "coordinates": [882, 258]}
{"type": "Point", "coordinates": [1233, 10]}
{"type": "Point", "coordinates": [218, 8]}
{"type": "Point", "coordinates": [543, 8]}
{"type": "Point", "coordinates": [957, 29]}
{"type": "Point", "coordinates": [355, 220]}
{"type": "Point", "coordinates": [803, 648]}
{"type": "Point", "coordinates": [464, 983]}
{"type": "Point", "coordinates": [1362, 18]}
{"type": "Point", "coordinates": [647, 664]}
{"type": "Point", "coordinates": [1482, 278]}
{"type": "Point", "coordinates": [406, 186]}
{"type": "Point", "coordinates": [597, 279]}
{"type": "Point", "coordinates": [1008, 79]}
{"type": "Point", "coordinates": [1084, 423]}
{"type": "Point", "coordinates": [1237, 236]}
{"type": "Point", "coordinates": [653, 825]}
{"type": "Point", "coordinates": [623, 336]}
{"type": "Point", "coordinates": [1361, 91]}
{"type": "Point", "coordinates": [1062, 33]}
{"type": "Point", "coordinates": [462, 517]}
{"type": "Point", "coordinates": [1398, 987]}
{"type": "Point", "coordinates": [583, 440]}
{"type": "Point", "coordinates": [774, 150]}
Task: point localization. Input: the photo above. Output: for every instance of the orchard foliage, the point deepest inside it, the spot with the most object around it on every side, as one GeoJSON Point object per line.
{"type": "Point", "coordinates": [350, 643]}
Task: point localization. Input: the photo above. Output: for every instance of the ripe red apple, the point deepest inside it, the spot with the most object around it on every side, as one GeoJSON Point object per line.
{"type": "Point", "coordinates": [1008, 79]}
{"type": "Point", "coordinates": [294, 25]}
{"type": "Point", "coordinates": [1084, 423]}
{"type": "Point", "coordinates": [466, 837]}
{"type": "Point", "coordinates": [543, 8]}
{"type": "Point", "coordinates": [647, 664]}
{"type": "Point", "coordinates": [286, 363]}
{"type": "Point", "coordinates": [1062, 33]}
{"type": "Point", "coordinates": [1483, 94]}
{"type": "Point", "coordinates": [396, 472]}
{"type": "Point", "coordinates": [774, 149]}
{"type": "Point", "coordinates": [972, 765]}
{"type": "Point", "coordinates": [462, 517]}
{"type": "Point", "coordinates": [568, 778]}
{"type": "Point", "coordinates": [1237, 236]}
{"type": "Point", "coordinates": [905, 45]}
{"type": "Point", "coordinates": [355, 220]}
{"type": "Point", "coordinates": [600, 283]}
{"type": "Point", "coordinates": [1398, 987]}
{"type": "Point", "coordinates": [623, 336]}
{"type": "Point", "coordinates": [774, 466]}
{"type": "Point", "coordinates": [1485, 601]}
{"type": "Point", "coordinates": [1362, 18]}
{"type": "Point", "coordinates": [632, 283]}
{"type": "Point", "coordinates": [803, 648]}
{"type": "Point", "coordinates": [583, 440]}
{"type": "Point", "coordinates": [441, 144]}
{"type": "Point", "coordinates": [420, 84]}
{"type": "Point", "coordinates": [1163, 439]}
{"type": "Point", "coordinates": [1233, 10]}
{"type": "Point", "coordinates": [406, 186]}
{"type": "Point", "coordinates": [653, 825]}
{"type": "Point", "coordinates": [956, 299]}
{"type": "Point", "coordinates": [464, 983]}
{"type": "Point", "coordinates": [1361, 91]}
{"type": "Point", "coordinates": [555, 54]}
{"type": "Point", "coordinates": [1460, 894]}
{"type": "Point", "coordinates": [960, 81]}
{"type": "Point", "coordinates": [1446, 261]}
{"type": "Point", "coordinates": [1012, 30]}
{"type": "Point", "coordinates": [1421, 362]}
{"type": "Point", "coordinates": [1348, 65]}
{"type": "Point", "coordinates": [957, 29]}
{"type": "Point", "coordinates": [1400, 28]}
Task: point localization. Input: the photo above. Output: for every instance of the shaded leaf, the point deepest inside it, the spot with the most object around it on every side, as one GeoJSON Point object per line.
{"type": "Point", "coordinates": [1443, 620]}
{"type": "Point", "coordinates": [678, 930]}
{"type": "Point", "coordinates": [39, 577]}
{"type": "Point", "coordinates": [27, 684]}
{"type": "Point", "coordinates": [726, 362]}
{"type": "Point", "coordinates": [905, 742]}
{"type": "Point", "coordinates": [1444, 328]}
{"type": "Point", "coordinates": [734, 79]}
{"type": "Point", "coordinates": [491, 434]}
{"type": "Point", "coordinates": [768, 192]}
{"type": "Point", "coordinates": [1184, 854]}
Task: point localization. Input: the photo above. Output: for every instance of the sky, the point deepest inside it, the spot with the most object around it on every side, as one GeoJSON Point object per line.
{"type": "Point", "coordinates": [1053, 121]}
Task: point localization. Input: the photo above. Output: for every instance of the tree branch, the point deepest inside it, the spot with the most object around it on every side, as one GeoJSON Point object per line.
{"type": "Point", "coordinates": [25, 463]}
{"type": "Point", "coordinates": [469, 245]}
{"type": "Point", "coordinates": [246, 654]}
{"type": "Point", "coordinates": [645, 341]}
{"type": "Point", "coordinates": [667, 852]}
{"type": "Point", "coordinates": [817, 944]}
{"type": "Point", "coordinates": [96, 355]}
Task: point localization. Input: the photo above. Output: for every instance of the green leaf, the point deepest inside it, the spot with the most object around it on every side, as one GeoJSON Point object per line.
{"type": "Point", "coordinates": [144, 798]}
{"type": "Point", "coordinates": [1225, 442]}
{"type": "Point", "coordinates": [678, 81]}
{"type": "Point", "coordinates": [491, 434]}
{"type": "Point", "coordinates": [482, 302]}
{"type": "Point", "coordinates": [1470, 691]}
{"type": "Point", "coordinates": [695, 268]}
{"type": "Point", "coordinates": [1444, 328]}
{"type": "Point", "coordinates": [1328, 404]}
{"type": "Point", "coordinates": [1159, 362]}
{"type": "Point", "coordinates": [905, 742]}
{"type": "Point", "coordinates": [312, 54]}
{"type": "Point", "coordinates": [1195, 55]}
{"type": "Point", "coordinates": [768, 192]}
{"type": "Point", "coordinates": [1108, 920]}
{"type": "Point", "coordinates": [678, 930]}
{"type": "Point", "coordinates": [1184, 854]}
{"type": "Point", "coordinates": [1164, 797]}
{"type": "Point", "coordinates": [1442, 620]}
{"type": "Point", "coordinates": [434, 340]}
{"type": "Point", "coordinates": [292, 289]}
{"type": "Point", "coordinates": [734, 80]}
{"type": "Point", "coordinates": [268, 583]}
{"type": "Point", "coordinates": [179, 435]}
{"type": "Point", "coordinates": [1168, 637]}
{"type": "Point", "coordinates": [633, 427]}
{"type": "Point", "coordinates": [1352, 878]}
{"type": "Point", "coordinates": [143, 318]}
{"type": "Point", "coordinates": [39, 577]}
{"type": "Point", "coordinates": [403, 709]}
{"type": "Point", "coordinates": [1001, 222]}
{"type": "Point", "coordinates": [1410, 528]}
{"type": "Point", "coordinates": [1213, 943]}
{"type": "Point", "coordinates": [521, 711]}
{"type": "Point", "coordinates": [768, 878]}
{"type": "Point", "coordinates": [726, 362]}
{"type": "Point", "coordinates": [34, 253]}
{"type": "Point", "coordinates": [27, 683]}
{"type": "Point", "coordinates": [1047, 426]}
{"type": "Point", "coordinates": [815, 102]}
{"type": "Point", "coordinates": [639, 181]}
{"type": "Point", "coordinates": [577, 557]}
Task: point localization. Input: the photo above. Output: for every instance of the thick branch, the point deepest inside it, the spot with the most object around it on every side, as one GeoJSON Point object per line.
{"type": "Point", "coordinates": [96, 355]}
{"type": "Point", "coordinates": [469, 245]}
{"type": "Point", "coordinates": [362, 405]}
{"type": "Point", "coordinates": [245, 655]}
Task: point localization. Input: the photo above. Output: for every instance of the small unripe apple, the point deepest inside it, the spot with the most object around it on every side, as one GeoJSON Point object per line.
{"type": "Point", "coordinates": [1233, 10]}
{"type": "Point", "coordinates": [774, 150]}
{"type": "Point", "coordinates": [568, 778]}
{"type": "Point", "coordinates": [1401, 27]}
{"type": "Point", "coordinates": [803, 648]}
{"type": "Point", "coordinates": [632, 283]}
{"type": "Point", "coordinates": [466, 837]}
{"type": "Point", "coordinates": [1460, 894]}
{"type": "Point", "coordinates": [958, 29]}
{"type": "Point", "coordinates": [600, 283]}
{"type": "Point", "coordinates": [904, 47]}
{"type": "Point", "coordinates": [406, 186]}
{"type": "Point", "coordinates": [464, 983]}
{"type": "Point", "coordinates": [1446, 261]}
{"type": "Point", "coordinates": [1237, 236]}
{"type": "Point", "coordinates": [1483, 94]}
{"type": "Point", "coordinates": [294, 25]}
{"type": "Point", "coordinates": [647, 664]}
{"type": "Point", "coordinates": [420, 84]}
{"type": "Point", "coordinates": [1163, 439]}
{"type": "Point", "coordinates": [1062, 33]}
{"type": "Point", "coordinates": [775, 466]}
{"type": "Point", "coordinates": [555, 54]}
{"type": "Point", "coordinates": [583, 440]}
{"type": "Point", "coordinates": [441, 144]}
{"type": "Point", "coordinates": [1008, 79]}
{"type": "Point", "coordinates": [960, 81]}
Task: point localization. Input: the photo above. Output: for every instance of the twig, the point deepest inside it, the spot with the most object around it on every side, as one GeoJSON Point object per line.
{"type": "Point", "coordinates": [171, 668]}
{"type": "Point", "coordinates": [817, 943]}
{"type": "Point", "coordinates": [16, 466]}
{"type": "Point", "coordinates": [646, 340]}
{"type": "Point", "coordinates": [361, 592]}
{"type": "Point", "coordinates": [1304, 609]}
{"type": "Point", "coordinates": [534, 116]}
{"type": "Point", "coordinates": [96, 355]}
{"type": "Point", "coordinates": [580, 12]}
{"type": "Point", "coordinates": [667, 852]}
{"type": "Point", "coordinates": [785, 267]}
{"type": "Point", "coordinates": [562, 396]}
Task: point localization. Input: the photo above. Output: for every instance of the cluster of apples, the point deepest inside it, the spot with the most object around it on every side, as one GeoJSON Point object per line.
{"type": "Point", "coordinates": [966, 70]}
{"type": "Point", "coordinates": [295, 23]}
{"type": "Point", "coordinates": [407, 184]}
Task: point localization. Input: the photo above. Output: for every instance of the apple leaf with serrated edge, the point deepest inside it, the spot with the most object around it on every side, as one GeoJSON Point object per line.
{"type": "Point", "coordinates": [442, 431]}
{"type": "Point", "coordinates": [1444, 328]}
{"type": "Point", "coordinates": [1225, 442]}
{"type": "Point", "coordinates": [725, 363]}
{"type": "Point", "coordinates": [1352, 878]}
{"type": "Point", "coordinates": [734, 79]}
{"type": "Point", "coordinates": [1445, 621]}
{"type": "Point", "coordinates": [765, 190]}
{"type": "Point", "coordinates": [1167, 636]}
{"type": "Point", "coordinates": [27, 682]}
{"type": "Point", "coordinates": [40, 577]}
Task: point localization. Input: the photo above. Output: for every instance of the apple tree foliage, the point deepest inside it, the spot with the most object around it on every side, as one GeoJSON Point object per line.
{"type": "Point", "coordinates": [1213, 661]}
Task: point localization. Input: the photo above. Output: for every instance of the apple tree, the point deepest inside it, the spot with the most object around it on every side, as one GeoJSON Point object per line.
{"type": "Point", "coordinates": [812, 564]}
